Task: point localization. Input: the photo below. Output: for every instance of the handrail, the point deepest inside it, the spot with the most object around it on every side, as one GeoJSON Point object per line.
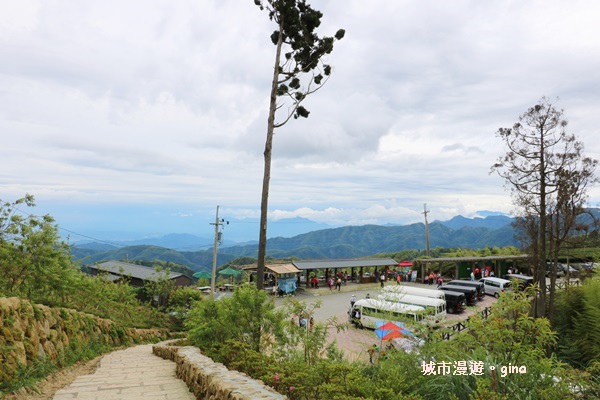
{"type": "Point", "coordinates": [460, 326]}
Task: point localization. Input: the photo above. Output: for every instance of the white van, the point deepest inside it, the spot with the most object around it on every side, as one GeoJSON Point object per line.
{"type": "Point", "coordinates": [495, 286]}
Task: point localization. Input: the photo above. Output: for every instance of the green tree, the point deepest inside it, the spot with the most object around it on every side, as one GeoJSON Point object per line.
{"type": "Point", "coordinates": [543, 165]}
{"type": "Point", "coordinates": [248, 316]}
{"type": "Point", "coordinates": [34, 262]}
{"type": "Point", "coordinates": [577, 321]}
{"type": "Point", "coordinates": [298, 74]}
{"type": "Point", "coordinates": [509, 336]}
{"type": "Point", "coordinates": [309, 336]}
{"type": "Point", "coordinates": [160, 288]}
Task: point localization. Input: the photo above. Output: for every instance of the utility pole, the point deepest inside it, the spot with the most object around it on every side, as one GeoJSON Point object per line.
{"type": "Point", "coordinates": [218, 222]}
{"type": "Point", "coordinates": [425, 212]}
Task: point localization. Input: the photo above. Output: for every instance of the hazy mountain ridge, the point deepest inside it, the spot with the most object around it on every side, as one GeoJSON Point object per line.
{"type": "Point", "coordinates": [197, 260]}
{"type": "Point", "coordinates": [491, 222]}
{"type": "Point", "coordinates": [343, 242]}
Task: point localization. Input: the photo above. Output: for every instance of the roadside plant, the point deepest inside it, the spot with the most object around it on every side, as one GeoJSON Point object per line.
{"type": "Point", "coordinates": [248, 316]}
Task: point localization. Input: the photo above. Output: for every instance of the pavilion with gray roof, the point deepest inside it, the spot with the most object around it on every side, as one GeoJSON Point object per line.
{"type": "Point", "coordinates": [352, 263]}
{"type": "Point", "coordinates": [138, 275]}
{"type": "Point", "coordinates": [464, 265]}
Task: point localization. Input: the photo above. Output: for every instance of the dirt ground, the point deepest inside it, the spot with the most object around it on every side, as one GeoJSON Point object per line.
{"type": "Point", "coordinates": [45, 390]}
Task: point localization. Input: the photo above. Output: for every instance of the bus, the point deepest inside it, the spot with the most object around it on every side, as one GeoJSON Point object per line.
{"type": "Point", "coordinates": [414, 291]}
{"type": "Point", "coordinates": [436, 307]}
{"type": "Point", "coordinates": [366, 313]}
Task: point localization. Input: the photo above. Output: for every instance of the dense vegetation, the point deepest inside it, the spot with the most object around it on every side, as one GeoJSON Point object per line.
{"type": "Point", "coordinates": [258, 339]}
{"type": "Point", "coordinates": [248, 333]}
{"type": "Point", "coordinates": [35, 264]}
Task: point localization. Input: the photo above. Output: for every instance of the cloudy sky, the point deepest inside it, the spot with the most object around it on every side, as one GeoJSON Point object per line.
{"type": "Point", "coordinates": [145, 115]}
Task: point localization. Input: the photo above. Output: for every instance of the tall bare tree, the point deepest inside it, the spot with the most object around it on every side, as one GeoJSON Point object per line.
{"type": "Point", "coordinates": [548, 175]}
{"type": "Point", "coordinates": [299, 71]}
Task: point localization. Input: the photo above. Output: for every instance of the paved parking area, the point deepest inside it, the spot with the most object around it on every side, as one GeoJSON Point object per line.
{"type": "Point", "coordinates": [353, 341]}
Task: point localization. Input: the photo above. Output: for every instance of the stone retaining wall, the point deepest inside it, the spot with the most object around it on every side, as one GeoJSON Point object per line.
{"type": "Point", "coordinates": [210, 380]}
{"type": "Point", "coordinates": [33, 332]}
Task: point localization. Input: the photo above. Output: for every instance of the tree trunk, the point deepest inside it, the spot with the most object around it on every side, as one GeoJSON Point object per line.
{"type": "Point", "coordinates": [264, 204]}
{"type": "Point", "coordinates": [554, 250]}
{"type": "Point", "coordinates": [543, 234]}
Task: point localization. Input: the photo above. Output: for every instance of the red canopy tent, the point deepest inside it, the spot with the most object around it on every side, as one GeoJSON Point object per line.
{"type": "Point", "coordinates": [405, 263]}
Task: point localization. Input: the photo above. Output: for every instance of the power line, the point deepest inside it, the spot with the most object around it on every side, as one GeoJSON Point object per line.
{"type": "Point", "coordinates": [16, 208]}
{"type": "Point", "coordinates": [73, 232]}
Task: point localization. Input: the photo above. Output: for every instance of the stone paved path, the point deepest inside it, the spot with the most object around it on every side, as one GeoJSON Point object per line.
{"type": "Point", "coordinates": [133, 373]}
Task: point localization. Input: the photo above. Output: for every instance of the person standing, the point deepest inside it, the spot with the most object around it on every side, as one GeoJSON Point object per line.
{"type": "Point", "coordinates": [371, 352]}
{"type": "Point", "coordinates": [382, 280]}
{"type": "Point", "coordinates": [472, 276]}
{"type": "Point", "coordinates": [352, 300]}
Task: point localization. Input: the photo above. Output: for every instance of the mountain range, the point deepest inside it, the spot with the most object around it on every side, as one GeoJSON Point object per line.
{"type": "Point", "coordinates": [342, 242]}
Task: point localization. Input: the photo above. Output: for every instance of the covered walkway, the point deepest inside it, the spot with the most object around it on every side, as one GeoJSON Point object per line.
{"type": "Point", "coordinates": [464, 265]}
{"type": "Point", "coordinates": [379, 265]}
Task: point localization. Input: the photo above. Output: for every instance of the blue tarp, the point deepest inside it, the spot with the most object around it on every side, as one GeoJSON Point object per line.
{"type": "Point", "coordinates": [287, 285]}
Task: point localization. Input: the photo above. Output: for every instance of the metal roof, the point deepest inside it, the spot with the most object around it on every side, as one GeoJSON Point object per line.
{"type": "Point", "coordinates": [349, 263]}
{"type": "Point", "coordinates": [277, 268]}
{"type": "Point", "coordinates": [111, 277]}
{"type": "Point", "coordinates": [466, 259]}
{"type": "Point", "coordinates": [283, 268]}
{"type": "Point", "coordinates": [133, 270]}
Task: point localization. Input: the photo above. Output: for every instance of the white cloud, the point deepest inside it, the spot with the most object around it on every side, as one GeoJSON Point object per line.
{"type": "Point", "coordinates": [165, 103]}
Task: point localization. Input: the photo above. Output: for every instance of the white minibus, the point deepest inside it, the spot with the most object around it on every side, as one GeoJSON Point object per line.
{"type": "Point", "coordinates": [415, 291]}
{"type": "Point", "coordinates": [436, 307]}
{"type": "Point", "coordinates": [368, 312]}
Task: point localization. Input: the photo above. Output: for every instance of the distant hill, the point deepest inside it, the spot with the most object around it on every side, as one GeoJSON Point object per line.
{"type": "Point", "coordinates": [344, 242]}
{"type": "Point", "coordinates": [360, 241]}
{"type": "Point", "coordinates": [176, 241]}
{"type": "Point", "coordinates": [491, 222]}
{"type": "Point", "coordinates": [198, 260]}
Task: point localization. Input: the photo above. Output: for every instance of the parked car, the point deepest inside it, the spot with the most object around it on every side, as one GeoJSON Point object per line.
{"type": "Point", "coordinates": [456, 302]}
{"type": "Point", "coordinates": [572, 271]}
{"type": "Point", "coordinates": [470, 293]}
{"type": "Point", "coordinates": [473, 284]}
{"type": "Point", "coordinates": [495, 286]}
{"type": "Point", "coordinates": [523, 281]}
{"type": "Point", "coordinates": [586, 267]}
{"type": "Point", "coordinates": [560, 270]}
